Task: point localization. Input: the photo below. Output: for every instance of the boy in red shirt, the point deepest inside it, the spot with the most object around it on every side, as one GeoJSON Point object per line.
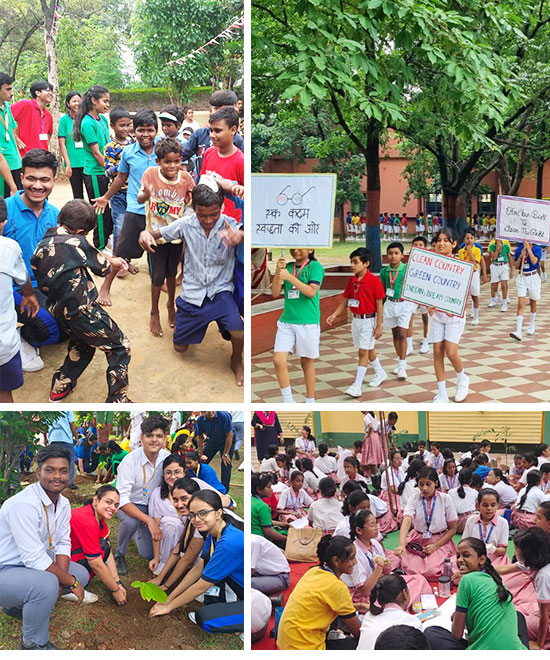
{"type": "Point", "coordinates": [34, 122]}
{"type": "Point", "coordinates": [224, 160]}
{"type": "Point", "coordinates": [166, 192]}
{"type": "Point", "coordinates": [364, 295]}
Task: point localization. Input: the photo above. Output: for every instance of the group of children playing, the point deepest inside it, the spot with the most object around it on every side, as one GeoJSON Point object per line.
{"type": "Point", "coordinates": [376, 304]}
{"type": "Point", "coordinates": [146, 198]}
{"type": "Point", "coordinates": [430, 497]}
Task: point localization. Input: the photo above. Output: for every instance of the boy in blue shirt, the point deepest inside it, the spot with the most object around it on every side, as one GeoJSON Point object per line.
{"type": "Point", "coordinates": [135, 159]}
{"type": "Point", "coordinates": [526, 260]}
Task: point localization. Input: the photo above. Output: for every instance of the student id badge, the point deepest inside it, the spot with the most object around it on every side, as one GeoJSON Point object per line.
{"type": "Point", "coordinates": [427, 534]}
{"type": "Point", "coordinates": [293, 294]}
{"type": "Point", "coordinates": [79, 145]}
{"type": "Point", "coordinates": [43, 136]}
{"type": "Point", "coordinates": [353, 303]}
{"type": "Point", "coordinates": [390, 293]}
{"type": "Point", "coordinates": [214, 591]}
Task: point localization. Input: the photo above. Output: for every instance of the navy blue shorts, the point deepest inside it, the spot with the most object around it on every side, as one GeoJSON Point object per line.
{"type": "Point", "coordinates": [192, 321]}
{"type": "Point", "coordinates": [11, 374]}
{"type": "Point", "coordinates": [238, 282]}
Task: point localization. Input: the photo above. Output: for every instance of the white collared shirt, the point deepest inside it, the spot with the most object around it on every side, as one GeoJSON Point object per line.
{"type": "Point", "coordinates": [130, 482]}
{"type": "Point", "coordinates": [24, 535]}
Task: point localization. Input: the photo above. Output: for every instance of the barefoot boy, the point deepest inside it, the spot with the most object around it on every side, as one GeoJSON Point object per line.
{"type": "Point", "coordinates": [364, 296]}
{"type": "Point", "coordinates": [166, 192]}
{"type": "Point", "coordinates": [60, 263]}
{"type": "Point", "coordinates": [207, 286]}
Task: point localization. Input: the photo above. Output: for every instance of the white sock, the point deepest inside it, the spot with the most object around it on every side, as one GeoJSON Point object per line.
{"type": "Point", "coordinates": [461, 376]}
{"type": "Point", "coordinates": [475, 313]}
{"type": "Point", "coordinates": [493, 300]}
{"type": "Point", "coordinates": [287, 394]}
{"type": "Point", "coordinates": [409, 343]}
{"type": "Point", "coordinates": [442, 387]}
{"type": "Point", "coordinates": [375, 364]}
{"type": "Point", "coordinates": [361, 371]}
{"type": "Point", "coordinates": [519, 324]}
{"type": "Point", "coordinates": [310, 400]}
{"type": "Point", "coordinates": [532, 317]}
{"type": "Point", "coordinates": [402, 363]}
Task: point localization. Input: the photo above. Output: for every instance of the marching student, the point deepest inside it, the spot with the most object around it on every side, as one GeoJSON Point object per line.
{"type": "Point", "coordinates": [526, 260]}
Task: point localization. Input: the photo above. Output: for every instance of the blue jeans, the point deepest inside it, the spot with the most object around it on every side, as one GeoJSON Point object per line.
{"type": "Point", "coordinates": [210, 452]}
{"type": "Point", "coordinates": [239, 433]}
{"type": "Point", "coordinates": [71, 449]}
{"type": "Point", "coordinates": [118, 209]}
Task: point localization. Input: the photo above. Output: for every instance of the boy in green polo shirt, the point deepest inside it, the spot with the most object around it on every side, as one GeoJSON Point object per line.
{"type": "Point", "coordinates": [9, 181]}
{"type": "Point", "coordinates": [397, 312]}
{"type": "Point", "coordinates": [502, 265]}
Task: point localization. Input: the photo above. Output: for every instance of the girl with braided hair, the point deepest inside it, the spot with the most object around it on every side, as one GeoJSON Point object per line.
{"type": "Point", "coordinates": [483, 606]}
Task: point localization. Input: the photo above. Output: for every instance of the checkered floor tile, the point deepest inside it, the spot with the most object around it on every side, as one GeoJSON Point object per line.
{"type": "Point", "coordinates": [500, 368]}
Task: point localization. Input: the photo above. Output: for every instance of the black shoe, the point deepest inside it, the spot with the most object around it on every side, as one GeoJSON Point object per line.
{"type": "Point", "coordinates": [72, 487]}
{"type": "Point", "coordinates": [48, 646]}
{"type": "Point", "coordinates": [277, 601]}
{"type": "Point", "coordinates": [236, 454]}
{"type": "Point", "coordinates": [120, 562]}
{"type": "Point", "coordinates": [15, 612]}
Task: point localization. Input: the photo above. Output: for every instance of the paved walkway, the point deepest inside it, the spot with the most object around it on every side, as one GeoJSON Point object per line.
{"type": "Point", "coordinates": [500, 368]}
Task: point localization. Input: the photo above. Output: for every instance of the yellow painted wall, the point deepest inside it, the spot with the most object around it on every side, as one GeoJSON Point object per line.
{"type": "Point", "coordinates": [352, 422]}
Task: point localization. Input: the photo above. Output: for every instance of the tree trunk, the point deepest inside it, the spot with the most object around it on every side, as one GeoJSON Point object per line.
{"type": "Point", "coordinates": [540, 174]}
{"type": "Point", "coordinates": [372, 159]}
{"type": "Point", "coordinates": [342, 224]}
{"type": "Point", "coordinates": [454, 211]}
{"type": "Point", "coordinates": [53, 77]}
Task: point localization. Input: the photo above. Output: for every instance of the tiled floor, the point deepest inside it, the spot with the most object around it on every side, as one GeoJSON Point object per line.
{"type": "Point", "coordinates": [500, 368]}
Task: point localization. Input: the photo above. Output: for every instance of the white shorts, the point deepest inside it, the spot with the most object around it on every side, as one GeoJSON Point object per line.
{"type": "Point", "coordinates": [397, 314]}
{"type": "Point", "coordinates": [475, 287]}
{"type": "Point", "coordinates": [297, 338]}
{"type": "Point", "coordinates": [381, 228]}
{"type": "Point", "coordinates": [421, 227]}
{"type": "Point", "coordinates": [499, 273]}
{"type": "Point", "coordinates": [528, 287]}
{"type": "Point", "coordinates": [362, 332]}
{"type": "Point", "coordinates": [404, 230]}
{"type": "Point", "coordinates": [544, 255]}
{"type": "Point", "coordinates": [444, 327]}
{"type": "Point", "coordinates": [420, 308]}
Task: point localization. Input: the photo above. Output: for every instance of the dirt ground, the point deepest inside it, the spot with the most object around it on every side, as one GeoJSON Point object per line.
{"type": "Point", "coordinates": [157, 373]}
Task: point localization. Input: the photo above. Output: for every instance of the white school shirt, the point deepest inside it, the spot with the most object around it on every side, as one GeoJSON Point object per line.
{"type": "Point", "coordinates": [266, 557]}
{"type": "Point", "coordinates": [342, 454]}
{"type": "Point", "coordinates": [405, 464]}
{"type": "Point", "coordinates": [24, 536]}
{"type": "Point", "coordinates": [443, 513]}
{"type": "Point", "coordinates": [268, 465]}
{"type": "Point", "coordinates": [12, 269]}
{"type": "Point", "coordinates": [358, 477]}
{"type": "Point", "coordinates": [499, 526]}
{"type": "Point", "coordinates": [377, 506]}
{"type": "Point", "coordinates": [542, 584]}
{"type": "Point", "coordinates": [304, 445]}
{"type": "Point", "coordinates": [448, 483]}
{"type": "Point", "coordinates": [311, 481]}
{"type": "Point", "coordinates": [130, 481]}
{"type": "Point", "coordinates": [288, 500]}
{"type": "Point", "coordinates": [397, 477]}
{"type": "Point", "coordinates": [466, 505]}
{"type": "Point", "coordinates": [136, 418]}
{"type": "Point", "coordinates": [409, 489]}
{"type": "Point", "coordinates": [427, 457]}
{"type": "Point", "coordinates": [437, 462]}
{"type": "Point", "coordinates": [523, 478]}
{"type": "Point", "coordinates": [325, 464]}
{"type": "Point", "coordinates": [373, 625]}
{"type": "Point", "coordinates": [542, 460]}
{"type": "Point", "coordinates": [506, 494]}
{"type": "Point", "coordinates": [343, 529]}
{"type": "Point", "coordinates": [363, 569]}
{"type": "Point", "coordinates": [545, 487]}
{"type": "Point", "coordinates": [326, 513]}
{"type": "Point", "coordinates": [369, 420]}
{"type": "Point", "coordinates": [534, 497]}
{"type": "Point", "coordinates": [260, 609]}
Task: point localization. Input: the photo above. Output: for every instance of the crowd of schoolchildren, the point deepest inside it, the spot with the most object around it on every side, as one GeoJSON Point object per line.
{"type": "Point", "coordinates": [168, 501]}
{"type": "Point", "coordinates": [179, 197]}
{"type": "Point", "coordinates": [360, 589]}
{"type": "Point", "coordinates": [375, 305]}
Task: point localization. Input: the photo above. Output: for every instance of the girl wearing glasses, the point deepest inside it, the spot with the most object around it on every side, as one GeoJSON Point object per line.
{"type": "Point", "coordinates": [219, 569]}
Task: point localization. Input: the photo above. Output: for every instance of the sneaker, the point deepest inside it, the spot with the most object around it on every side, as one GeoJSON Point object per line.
{"type": "Point", "coordinates": [544, 277]}
{"type": "Point", "coordinates": [354, 391]}
{"type": "Point", "coordinates": [409, 350]}
{"type": "Point", "coordinates": [492, 304]}
{"type": "Point", "coordinates": [462, 388]}
{"type": "Point", "coordinates": [88, 598]}
{"type": "Point", "coordinates": [474, 321]}
{"type": "Point", "coordinates": [30, 357]}
{"type": "Point", "coordinates": [395, 371]}
{"type": "Point", "coordinates": [237, 455]}
{"type": "Point", "coordinates": [57, 397]}
{"type": "Point", "coordinates": [530, 331]}
{"type": "Point", "coordinates": [192, 617]}
{"type": "Point", "coordinates": [424, 346]}
{"type": "Point", "coordinates": [401, 372]}
{"type": "Point", "coordinates": [504, 307]}
{"type": "Point", "coordinates": [378, 379]}
{"type": "Point", "coordinates": [439, 398]}
{"type": "Point", "coordinates": [48, 646]}
{"type": "Point", "coordinates": [516, 335]}
{"type": "Point", "coordinates": [120, 562]}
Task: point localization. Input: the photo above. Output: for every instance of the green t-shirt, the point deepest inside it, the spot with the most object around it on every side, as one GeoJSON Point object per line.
{"type": "Point", "coordinates": [260, 516]}
{"type": "Point", "coordinates": [115, 459]}
{"type": "Point", "coordinates": [303, 310]}
{"type": "Point", "coordinates": [94, 131]}
{"type": "Point", "coordinates": [65, 130]}
{"type": "Point", "coordinates": [491, 625]}
{"type": "Point", "coordinates": [504, 252]}
{"type": "Point", "coordinates": [397, 285]}
{"type": "Point", "coordinates": [8, 148]}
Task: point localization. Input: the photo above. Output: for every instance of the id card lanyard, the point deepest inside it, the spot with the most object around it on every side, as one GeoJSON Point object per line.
{"type": "Point", "coordinates": [6, 123]}
{"type": "Point", "coordinates": [50, 534]}
{"type": "Point", "coordinates": [147, 482]}
{"type": "Point", "coordinates": [295, 293]}
{"type": "Point", "coordinates": [427, 534]}
{"type": "Point", "coordinates": [450, 484]}
{"type": "Point", "coordinates": [390, 292]}
{"type": "Point", "coordinates": [488, 535]}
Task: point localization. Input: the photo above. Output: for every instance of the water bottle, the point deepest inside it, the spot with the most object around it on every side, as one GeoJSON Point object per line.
{"type": "Point", "coordinates": [447, 568]}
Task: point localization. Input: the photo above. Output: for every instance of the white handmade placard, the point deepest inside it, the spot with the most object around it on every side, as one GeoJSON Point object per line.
{"type": "Point", "coordinates": [438, 281]}
{"type": "Point", "coordinates": [523, 219]}
{"type": "Point", "coordinates": [292, 210]}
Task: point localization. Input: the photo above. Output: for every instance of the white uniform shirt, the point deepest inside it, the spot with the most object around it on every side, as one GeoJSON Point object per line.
{"type": "Point", "coordinates": [542, 584]}
{"type": "Point", "coordinates": [442, 508]}
{"type": "Point", "coordinates": [266, 558]}
{"type": "Point", "coordinates": [368, 421]}
{"type": "Point", "coordinates": [394, 476]}
{"type": "Point", "coordinates": [437, 462]}
{"type": "Point", "coordinates": [409, 490]}
{"type": "Point", "coordinates": [372, 625]}
{"type": "Point", "coordinates": [137, 478]}
{"type": "Point", "coordinates": [326, 513]}
{"type": "Point", "coordinates": [363, 568]}
{"type": "Point", "coordinates": [343, 529]}
{"type": "Point", "coordinates": [358, 477]}
{"type": "Point", "coordinates": [304, 445]}
{"type": "Point", "coordinates": [136, 418]}
{"type": "Point", "coordinates": [534, 497]}
{"type": "Point", "coordinates": [12, 269]}
{"type": "Point", "coordinates": [325, 464]}
{"type": "Point", "coordinates": [506, 494]}
{"type": "Point", "coordinates": [466, 504]}
{"type": "Point", "coordinates": [342, 454]}
{"type": "Point", "coordinates": [25, 520]}
{"type": "Point", "coordinates": [523, 478]}
{"type": "Point", "coordinates": [311, 480]}
{"type": "Point", "coordinates": [448, 483]}
{"type": "Point", "coordinates": [495, 532]}
{"type": "Point", "coordinates": [289, 500]}
{"type": "Point", "coordinates": [268, 465]}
